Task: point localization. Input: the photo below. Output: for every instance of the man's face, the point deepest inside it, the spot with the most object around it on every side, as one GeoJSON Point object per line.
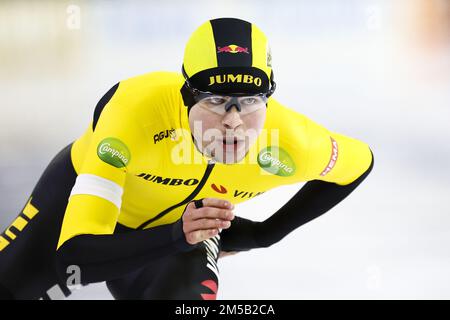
{"type": "Point", "coordinates": [226, 136]}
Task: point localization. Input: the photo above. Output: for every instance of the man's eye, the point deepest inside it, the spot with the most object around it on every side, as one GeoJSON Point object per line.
{"type": "Point", "coordinates": [249, 101]}
{"type": "Point", "coordinates": [216, 101]}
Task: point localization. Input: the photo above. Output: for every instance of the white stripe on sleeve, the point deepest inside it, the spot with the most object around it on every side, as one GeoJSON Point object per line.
{"type": "Point", "coordinates": [98, 186]}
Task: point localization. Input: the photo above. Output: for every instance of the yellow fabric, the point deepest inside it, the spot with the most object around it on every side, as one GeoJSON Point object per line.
{"type": "Point", "coordinates": [80, 219]}
{"type": "Point", "coordinates": [3, 243]}
{"type": "Point", "coordinates": [150, 106]}
{"type": "Point", "coordinates": [200, 51]}
{"type": "Point", "coordinates": [19, 223]}
{"type": "Point", "coordinates": [10, 234]}
{"type": "Point", "coordinates": [30, 211]}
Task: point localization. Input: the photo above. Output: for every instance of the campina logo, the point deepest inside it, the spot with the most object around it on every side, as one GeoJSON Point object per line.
{"type": "Point", "coordinates": [276, 161]}
{"type": "Point", "coordinates": [113, 151]}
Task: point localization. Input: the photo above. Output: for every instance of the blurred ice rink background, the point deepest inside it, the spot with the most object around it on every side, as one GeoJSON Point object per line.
{"type": "Point", "coordinates": [376, 70]}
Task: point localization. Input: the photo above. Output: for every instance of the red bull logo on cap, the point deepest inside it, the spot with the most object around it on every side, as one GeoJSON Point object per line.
{"type": "Point", "coordinates": [232, 48]}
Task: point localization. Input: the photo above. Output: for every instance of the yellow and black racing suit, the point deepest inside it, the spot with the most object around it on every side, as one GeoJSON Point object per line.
{"type": "Point", "coordinates": [110, 202]}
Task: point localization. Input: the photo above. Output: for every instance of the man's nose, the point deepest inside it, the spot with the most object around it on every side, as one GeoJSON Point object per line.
{"type": "Point", "coordinates": [232, 118]}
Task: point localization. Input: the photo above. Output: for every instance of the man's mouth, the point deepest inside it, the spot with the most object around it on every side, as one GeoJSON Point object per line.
{"type": "Point", "coordinates": [231, 144]}
{"type": "Point", "coordinates": [232, 140]}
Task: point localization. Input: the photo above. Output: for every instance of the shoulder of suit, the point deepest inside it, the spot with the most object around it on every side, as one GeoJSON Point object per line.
{"type": "Point", "coordinates": [151, 84]}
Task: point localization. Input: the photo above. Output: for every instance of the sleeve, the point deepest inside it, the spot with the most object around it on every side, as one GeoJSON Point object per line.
{"type": "Point", "coordinates": [311, 201]}
{"type": "Point", "coordinates": [95, 201]}
{"type": "Point", "coordinates": [86, 237]}
{"type": "Point", "coordinates": [335, 166]}
{"type": "Point", "coordinates": [334, 157]}
{"type": "Point", "coordinates": [108, 257]}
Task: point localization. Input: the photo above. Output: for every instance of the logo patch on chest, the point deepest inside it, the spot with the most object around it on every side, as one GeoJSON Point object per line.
{"type": "Point", "coordinates": [114, 152]}
{"type": "Point", "coordinates": [276, 161]}
{"type": "Point", "coordinates": [164, 134]}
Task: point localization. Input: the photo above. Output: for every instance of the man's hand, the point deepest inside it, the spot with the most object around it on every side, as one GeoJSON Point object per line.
{"type": "Point", "coordinates": [204, 223]}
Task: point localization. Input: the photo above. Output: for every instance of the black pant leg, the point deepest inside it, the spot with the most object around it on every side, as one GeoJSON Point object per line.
{"type": "Point", "coordinates": [189, 275]}
{"type": "Point", "coordinates": [27, 262]}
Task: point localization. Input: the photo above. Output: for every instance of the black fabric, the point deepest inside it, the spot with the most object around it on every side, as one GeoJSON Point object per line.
{"type": "Point", "coordinates": [240, 236]}
{"type": "Point", "coordinates": [5, 294]}
{"type": "Point", "coordinates": [102, 103]}
{"type": "Point", "coordinates": [4, 235]}
{"type": "Point", "coordinates": [174, 277]}
{"type": "Point", "coordinates": [22, 215]}
{"type": "Point", "coordinates": [314, 199]}
{"type": "Point", "coordinates": [188, 97]}
{"type": "Point", "coordinates": [107, 257]}
{"type": "Point", "coordinates": [27, 264]}
{"type": "Point", "coordinates": [231, 80]}
{"type": "Point", "coordinates": [230, 31]}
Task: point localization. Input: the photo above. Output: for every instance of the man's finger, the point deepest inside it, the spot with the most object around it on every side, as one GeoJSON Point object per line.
{"type": "Point", "coordinates": [201, 235]}
{"type": "Point", "coordinates": [212, 213]}
{"type": "Point", "coordinates": [204, 224]}
{"type": "Point", "coordinates": [217, 203]}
